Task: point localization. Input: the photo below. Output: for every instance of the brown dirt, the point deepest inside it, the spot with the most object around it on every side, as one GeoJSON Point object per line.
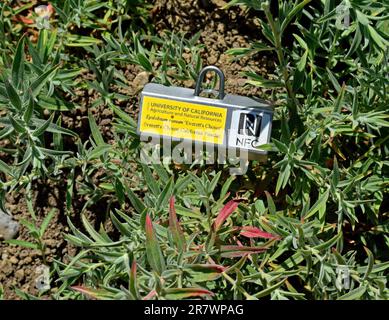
{"type": "Point", "coordinates": [220, 31]}
{"type": "Point", "coordinates": [18, 265]}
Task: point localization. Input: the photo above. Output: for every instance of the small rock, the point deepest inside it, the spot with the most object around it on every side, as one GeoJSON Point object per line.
{"type": "Point", "coordinates": [220, 3]}
{"type": "Point", "coordinates": [24, 253]}
{"type": "Point", "coordinates": [27, 260]}
{"type": "Point", "coordinates": [105, 122]}
{"type": "Point", "coordinates": [107, 112]}
{"type": "Point", "coordinates": [19, 274]}
{"type": "Point", "coordinates": [212, 60]}
{"type": "Point", "coordinates": [140, 80]}
{"type": "Point", "coordinates": [221, 28]}
{"type": "Point", "coordinates": [8, 227]}
{"type": "Point", "coordinates": [50, 242]}
{"type": "Point", "coordinates": [13, 260]}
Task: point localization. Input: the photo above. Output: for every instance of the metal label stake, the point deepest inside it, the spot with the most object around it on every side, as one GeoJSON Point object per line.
{"type": "Point", "coordinates": [230, 121]}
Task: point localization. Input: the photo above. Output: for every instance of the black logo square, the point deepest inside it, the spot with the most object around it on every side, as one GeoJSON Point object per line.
{"type": "Point", "coordinates": [250, 124]}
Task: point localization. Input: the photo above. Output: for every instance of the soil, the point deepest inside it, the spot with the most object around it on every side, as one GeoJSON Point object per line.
{"type": "Point", "coordinates": [220, 30]}
{"type": "Point", "coordinates": [18, 265]}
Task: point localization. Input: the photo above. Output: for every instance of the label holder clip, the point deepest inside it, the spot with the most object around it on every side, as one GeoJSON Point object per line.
{"type": "Point", "coordinates": [200, 79]}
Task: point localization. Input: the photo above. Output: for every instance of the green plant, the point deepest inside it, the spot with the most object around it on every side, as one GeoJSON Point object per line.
{"type": "Point", "coordinates": [36, 232]}
{"type": "Point", "coordinates": [335, 92]}
{"type": "Point", "coordinates": [25, 90]}
{"type": "Point", "coordinates": [310, 223]}
{"type": "Point", "coordinates": [329, 161]}
{"type": "Point", "coordinates": [92, 15]}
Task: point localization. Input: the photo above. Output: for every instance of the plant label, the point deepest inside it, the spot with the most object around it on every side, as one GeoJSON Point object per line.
{"type": "Point", "coordinates": [230, 121]}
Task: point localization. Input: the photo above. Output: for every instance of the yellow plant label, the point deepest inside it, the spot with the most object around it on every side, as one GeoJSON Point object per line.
{"type": "Point", "coordinates": [184, 120]}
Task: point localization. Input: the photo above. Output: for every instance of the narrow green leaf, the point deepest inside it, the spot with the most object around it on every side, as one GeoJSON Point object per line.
{"type": "Point", "coordinates": [270, 203]}
{"type": "Point", "coordinates": [214, 182]}
{"type": "Point", "coordinates": [54, 103]}
{"type": "Point", "coordinates": [99, 151]}
{"type": "Point", "coordinates": [5, 168]}
{"type": "Point", "coordinates": [182, 293]}
{"type": "Point", "coordinates": [41, 81]}
{"type": "Point", "coordinates": [378, 40]}
{"type": "Point", "coordinates": [30, 226]}
{"type": "Point", "coordinates": [335, 172]}
{"type": "Point", "coordinates": [162, 173]}
{"type": "Point", "coordinates": [144, 62]}
{"type": "Point", "coordinates": [91, 231]}
{"type": "Point", "coordinates": [321, 202]}
{"type": "Point", "coordinates": [379, 267]}
{"type": "Point", "coordinates": [57, 137]}
{"type": "Point", "coordinates": [354, 294]}
{"type": "Point", "coordinates": [96, 294]}
{"type": "Point", "coordinates": [265, 83]}
{"type": "Point", "coordinates": [6, 131]}
{"type": "Point", "coordinates": [122, 227]}
{"type": "Point", "coordinates": [18, 64]}
{"type": "Point", "coordinates": [226, 186]}
{"type": "Point", "coordinates": [292, 13]}
{"type": "Point", "coordinates": [78, 234]}
{"type": "Point", "coordinates": [302, 43]}
{"type": "Point", "coordinates": [303, 61]}
{"type": "Point", "coordinates": [124, 116]}
{"type": "Point", "coordinates": [281, 146]}
{"type": "Point", "coordinates": [69, 189]}
{"type": "Point", "coordinates": [239, 51]}
{"type": "Point", "coordinates": [46, 222]}
{"type": "Point", "coordinates": [175, 228]}
{"type": "Point", "coordinates": [185, 212]}
{"type": "Point", "coordinates": [132, 282]}
{"type": "Point", "coordinates": [370, 263]}
{"type": "Point", "coordinates": [291, 262]}
{"type": "Point", "coordinates": [135, 201]}
{"type": "Point", "coordinates": [239, 251]}
{"type": "Point", "coordinates": [75, 40]}
{"type": "Point", "coordinates": [280, 180]}
{"type": "Point", "coordinates": [22, 243]}
{"type": "Point", "coordinates": [333, 80]}
{"type": "Point", "coordinates": [356, 42]}
{"type": "Point", "coordinates": [254, 48]}
{"type": "Point", "coordinates": [29, 110]}
{"type": "Point", "coordinates": [165, 194]}
{"type": "Point", "coordinates": [150, 180]}
{"type": "Point", "coordinates": [153, 250]}
{"type": "Point", "coordinates": [41, 130]}
{"type": "Point", "coordinates": [17, 125]}
{"type": "Point", "coordinates": [95, 130]}
{"type": "Point", "coordinates": [13, 95]}
{"type": "Point", "coordinates": [204, 272]}
{"type": "Point", "coordinates": [269, 290]}
{"type": "Point", "coordinates": [328, 244]}
{"type": "Point", "coordinates": [236, 266]}
{"type": "Point", "coordinates": [339, 100]}
{"type": "Point", "coordinates": [54, 153]}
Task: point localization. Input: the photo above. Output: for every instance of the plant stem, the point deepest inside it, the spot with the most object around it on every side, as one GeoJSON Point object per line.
{"type": "Point", "coordinates": [293, 102]}
{"type": "Point", "coordinates": [230, 280]}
